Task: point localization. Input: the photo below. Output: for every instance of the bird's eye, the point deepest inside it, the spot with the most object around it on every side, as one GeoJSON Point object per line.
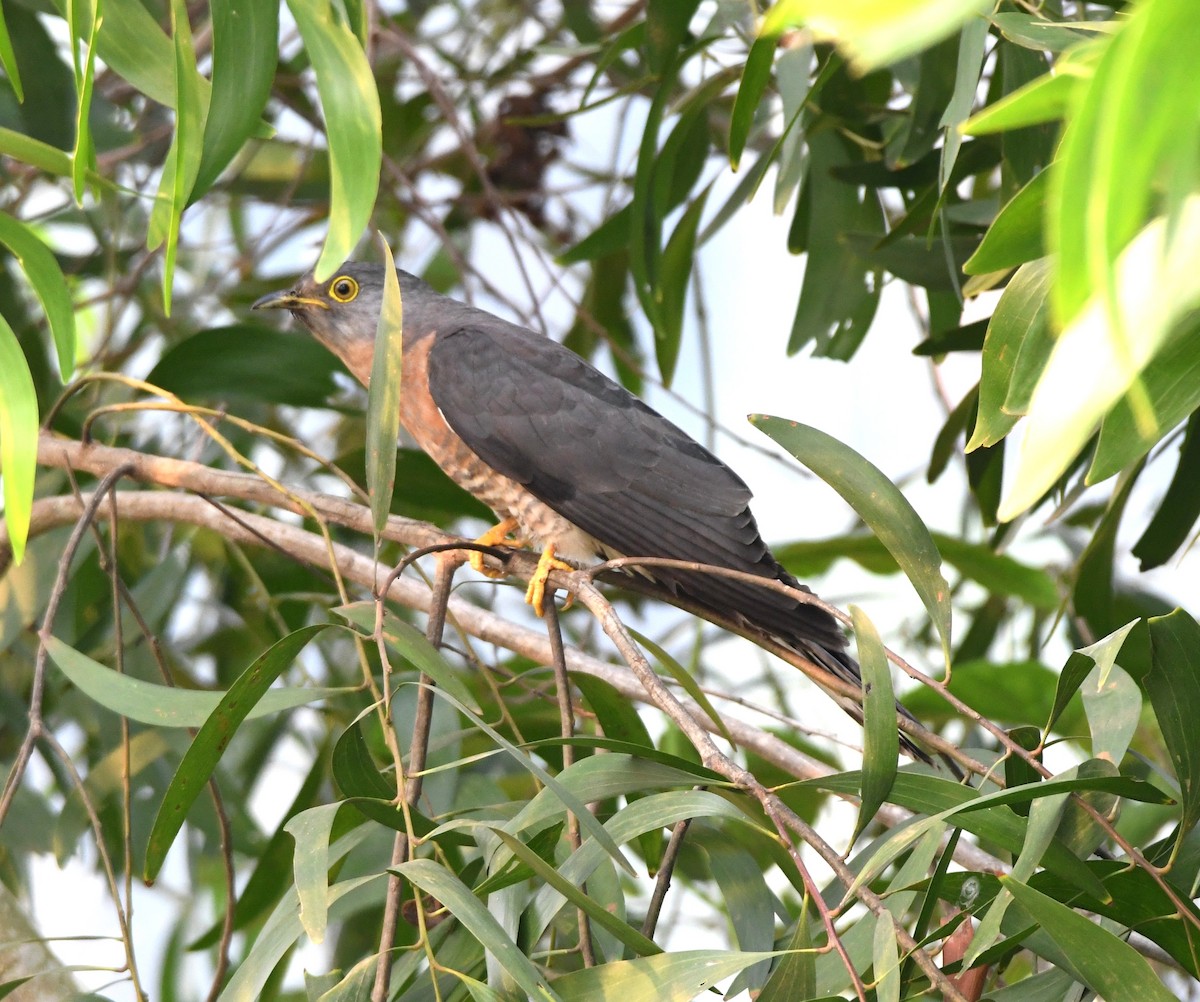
{"type": "Point", "coordinates": [343, 288]}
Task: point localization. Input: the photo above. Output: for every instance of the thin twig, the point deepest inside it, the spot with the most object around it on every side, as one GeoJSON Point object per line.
{"type": "Point", "coordinates": [411, 777]}
{"type": "Point", "coordinates": [566, 724]}
{"type": "Point", "coordinates": [662, 881]}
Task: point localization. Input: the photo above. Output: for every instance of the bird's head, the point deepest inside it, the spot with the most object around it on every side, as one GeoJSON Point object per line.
{"type": "Point", "coordinates": [341, 312]}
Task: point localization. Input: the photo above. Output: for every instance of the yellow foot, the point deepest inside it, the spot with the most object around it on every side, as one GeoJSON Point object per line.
{"type": "Point", "coordinates": [496, 534]}
{"type": "Point", "coordinates": [535, 594]}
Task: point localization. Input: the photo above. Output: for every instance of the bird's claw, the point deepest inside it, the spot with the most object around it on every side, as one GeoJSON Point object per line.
{"type": "Point", "coordinates": [535, 594]}
{"type": "Point", "coordinates": [496, 534]}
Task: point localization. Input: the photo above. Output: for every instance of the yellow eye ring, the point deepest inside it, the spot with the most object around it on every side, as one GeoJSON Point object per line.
{"type": "Point", "coordinates": [343, 289]}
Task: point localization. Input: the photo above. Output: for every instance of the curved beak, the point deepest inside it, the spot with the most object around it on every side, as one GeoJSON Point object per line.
{"type": "Point", "coordinates": [289, 300]}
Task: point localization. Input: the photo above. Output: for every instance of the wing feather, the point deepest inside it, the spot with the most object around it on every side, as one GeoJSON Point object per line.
{"type": "Point", "coordinates": [539, 414]}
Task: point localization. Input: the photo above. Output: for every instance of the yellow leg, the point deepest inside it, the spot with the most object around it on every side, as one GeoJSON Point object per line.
{"type": "Point", "coordinates": [496, 534]}
{"type": "Point", "coordinates": [535, 594]}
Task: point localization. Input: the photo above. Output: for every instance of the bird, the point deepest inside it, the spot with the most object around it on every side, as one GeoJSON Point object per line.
{"type": "Point", "coordinates": [568, 459]}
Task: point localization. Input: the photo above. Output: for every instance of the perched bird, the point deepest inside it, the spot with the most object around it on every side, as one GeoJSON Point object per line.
{"type": "Point", "coordinates": [567, 458]}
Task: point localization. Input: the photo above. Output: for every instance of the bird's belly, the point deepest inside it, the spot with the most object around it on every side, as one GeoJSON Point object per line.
{"type": "Point", "coordinates": [541, 525]}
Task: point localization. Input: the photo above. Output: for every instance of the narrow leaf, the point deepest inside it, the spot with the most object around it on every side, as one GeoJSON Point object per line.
{"type": "Point", "coordinates": [18, 438]}
{"type": "Point", "coordinates": [383, 397]}
{"type": "Point", "coordinates": [874, 33]}
{"type": "Point", "coordinates": [244, 54]}
{"type": "Point", "coordinates": [464, 906]}
{"type": "Point", "coordinates": [881, 740]}
{"type": "Point", "coordinates": [878, 503]}
{"type": "Point", "coordinates": [1104, 962]}
{"type": "Point", "coordinates": [1157, 284]}
{"type": "Point", "coordinates": [755, 77]}
{"type": "Point", "coordinates": [353, 126]}
{"type": "Point", "coordinates": [162, 705]}
{"type": "Point", "coordinates": [44, 274]}
{"type": "Point", "coordinates": [213, 738]}
{"type": "Point", "coordinates": [671, 977]}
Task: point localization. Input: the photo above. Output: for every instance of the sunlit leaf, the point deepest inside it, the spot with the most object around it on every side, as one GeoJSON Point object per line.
{"type": "Point", "coordinates": [873, 33]}
{"type": "Point", "coordinates": [353, 126]}
{"type": "Point", "coordinates": [18, 438]}
{"type": "Point", "coordinates": [1157, 284]}
{"type": "Point", "coordinates": [46, 277]}
{"type": "Point", "coordinates": [1103, 191]}
{"type": "Point", "coordinates": [8, 59]}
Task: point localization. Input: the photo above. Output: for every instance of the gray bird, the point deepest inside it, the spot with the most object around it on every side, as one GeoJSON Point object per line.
{"type": "Point", "coordinates": [565, 456]}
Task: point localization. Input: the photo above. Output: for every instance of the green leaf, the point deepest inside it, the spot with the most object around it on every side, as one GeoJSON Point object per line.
{"type": "Point", "coordinates": [676, 268]}
{"type": "Point", "coordinates": [755, 76]}
{"type": "Point", "coordinates": [839, 293]}
{"type": "Point", "coordinates": [795, 976]}
{"type": "Point", "coordinates": [1033, 32]}
{"type": "Point", "coordinates": [183, 160]}
{"type": "Point", "coordinates": [163, 705]}
{"type": "Point", "coordinates": [44, 274]}
{"type": "Point", "coordinates": [685, 679]}
{"type": "Point", "coordinates": [551, 877]}
{"type": "Point", "coordinates": [878, 503]}
{"type": "Point", "coordinates": [282, 928]}
{"type": "Point", "coordinates": [886, 959]}
{"type": "Point", "coordinates": [881, 740]}
{"type": "Point", "coordinates": [383, 397]}
{"type": "Point", "coordinates": [1015, 349]}
{"type": "Point", "coordinates": [353, 126]}
{"type": "Point", "coordinates": [8, 59]}
{"type": "Point", "coordinates": [1104, 962]}
{"type": "Point", "coordinates": [84, 24]}
{"type": "Point", "coordinates": [1045, 99]}
{"type": "Point", "coordinates": [1168, 391]}
{"type": "Point", "coordinates": [972, 49]}
{"type": "Point", "coordinates": [18, 438]}
{"type": "Point", "coordinates": [649, 814]}
{"type": "Point", "coordinates": [610, 237]}
{"type": "Point", "coordinates": [248, 363]}
{"type": "Point", "coordinates": [444, 885]}
{"type": "Point", "coordinates": [1180, 507]}
{"type": "Point", "coordinates": [37, 154]}
{"type": "Point", "coordinates": [213, 738]}
{"type": "Point", "coordinates": [1157, 285]}
{"type": "Point", "coordinates": [666, 29]}
{"type": "Point", "coordinates": [311, 829]}
{"type": "Point", "coordinates": [874, 33]}
{"type": "Point", "coordinates": [673, 977]}
{"type": "Point", "coordinates": [412, 645]}
{"type": "Point", "coordinates": [272, 874]}
{"type": "Point", "coordinates": [1015, 236]}
{"type": "Point", "coordinates": [1113, 160]}
{"type": "Point", "coordinates": [244, 54]}
{"type": "Point", "coordinates": [133, 44]}
{"type": "Point", "coordinates": [1173, 684]}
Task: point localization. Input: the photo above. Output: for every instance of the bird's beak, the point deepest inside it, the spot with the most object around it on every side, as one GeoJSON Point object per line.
{"type": "Point", "coordinates": [290, 300]}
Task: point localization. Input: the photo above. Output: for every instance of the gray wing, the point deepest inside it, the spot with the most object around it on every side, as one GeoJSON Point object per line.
{"type": "Point", "coordinates": [539, 414]}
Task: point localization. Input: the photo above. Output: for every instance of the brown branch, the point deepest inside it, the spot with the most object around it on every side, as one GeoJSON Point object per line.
{"type": "Point", "coordinates": [783, 817]}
